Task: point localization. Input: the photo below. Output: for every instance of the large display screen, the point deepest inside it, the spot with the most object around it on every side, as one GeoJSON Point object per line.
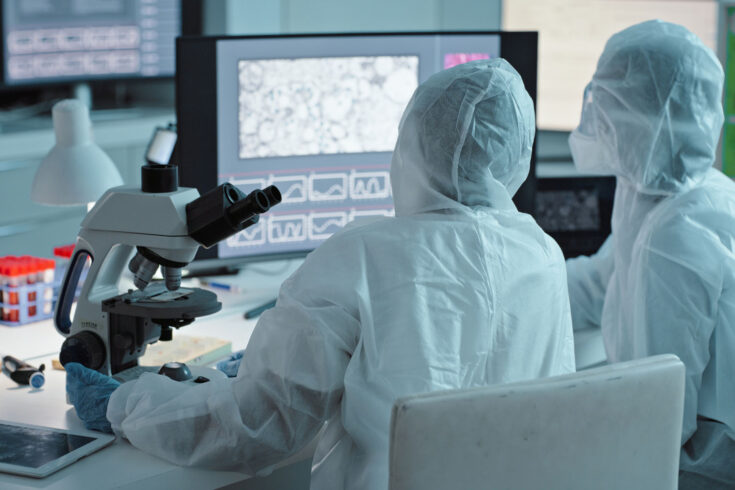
{"type": "Point", "coordinates": [66, 40]}
{"type": "Point", "coordinates": [317, 116]}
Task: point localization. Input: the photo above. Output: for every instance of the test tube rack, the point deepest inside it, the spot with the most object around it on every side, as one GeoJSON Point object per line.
{"type": "Point", "coordinates": [26, 303]}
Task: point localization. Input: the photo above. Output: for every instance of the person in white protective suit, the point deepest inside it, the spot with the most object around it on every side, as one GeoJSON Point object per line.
{"type": "Point", "coordinates": [457, 290]}
{"type": "Point", "coordinates": [664, 281]}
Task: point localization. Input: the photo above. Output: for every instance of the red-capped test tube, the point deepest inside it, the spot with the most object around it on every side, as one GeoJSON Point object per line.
{"type": "Point", "coordinates": [3, 281]}
{"type": "Point", "coordinates": [15, 280]}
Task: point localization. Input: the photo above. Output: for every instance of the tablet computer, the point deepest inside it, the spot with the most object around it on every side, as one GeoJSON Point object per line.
{"type": "Point", "coordinates": [31, 450]}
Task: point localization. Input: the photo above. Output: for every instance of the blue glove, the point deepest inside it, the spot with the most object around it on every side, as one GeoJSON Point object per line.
{"type": "Point", "coordinates": [230, 365]}
{"type": "Point", "coordinates": [89, 392]}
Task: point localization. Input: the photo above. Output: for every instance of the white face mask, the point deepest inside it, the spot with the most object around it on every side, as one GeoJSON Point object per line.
{"type": "Point", "coordinates": [588, 154]}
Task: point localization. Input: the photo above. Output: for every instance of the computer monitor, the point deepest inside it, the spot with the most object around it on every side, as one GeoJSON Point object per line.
{"type": "Point", "coordinates": [59, 42]}
{"type": "Point", "coordinates": [575, 211]}
{"type": "Point", "coordinates": [317, 116]}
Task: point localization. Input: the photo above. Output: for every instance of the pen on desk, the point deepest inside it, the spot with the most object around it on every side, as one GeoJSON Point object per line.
{"type": "Point", "coordinates": [259, 309]}
{"type": "Point", "coordinates": [221, 285]}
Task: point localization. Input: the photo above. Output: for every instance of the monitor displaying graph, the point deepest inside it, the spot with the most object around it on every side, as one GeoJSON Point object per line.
{"type": "Point", "coordinates": [316, 116]}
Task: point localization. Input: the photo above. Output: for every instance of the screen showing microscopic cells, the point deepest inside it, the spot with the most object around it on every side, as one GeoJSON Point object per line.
{"type": "Point", "coordinates": [322, 106]}
{"type": "Point", "coordinates": [568, 210]}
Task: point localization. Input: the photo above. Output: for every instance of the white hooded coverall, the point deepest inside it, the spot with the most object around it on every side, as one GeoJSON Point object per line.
{"type": "Point", "coordinates": [664, 282]}
{"type": "Point", "coordinates": [458, 290]}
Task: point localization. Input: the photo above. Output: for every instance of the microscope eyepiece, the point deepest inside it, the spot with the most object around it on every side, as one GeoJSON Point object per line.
{"type": "Point", "coordinates": [255, 203]}
{"type": "Point", "coordinates": [274, 195]}
{"type": "Point", "coordinates": [225, 210]}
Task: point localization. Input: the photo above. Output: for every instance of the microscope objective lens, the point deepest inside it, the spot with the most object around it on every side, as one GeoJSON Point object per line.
{"type": "Point", "coordinates": [172, 275]}
{"type": "Point", "coordinates": [135, 262]}
{"type": "Point", "coordinates": [144, 274]}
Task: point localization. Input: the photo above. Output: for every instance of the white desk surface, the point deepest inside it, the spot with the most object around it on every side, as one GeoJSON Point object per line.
{"type": "Point", "coordinates": [40, 342]}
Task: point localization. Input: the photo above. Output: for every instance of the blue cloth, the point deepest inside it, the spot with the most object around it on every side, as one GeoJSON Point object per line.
{"type": "Point", "coordinates": [230, 365]}
{"type": "Point", "coordinates": [89, 392]}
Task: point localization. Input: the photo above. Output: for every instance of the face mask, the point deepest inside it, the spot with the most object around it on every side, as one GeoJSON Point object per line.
{"type": "Point", "coordinates": [588, 154]}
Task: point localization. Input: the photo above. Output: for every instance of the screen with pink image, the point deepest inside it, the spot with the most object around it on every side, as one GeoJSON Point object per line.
{"type": "Point", "coordinates": [454, 59]}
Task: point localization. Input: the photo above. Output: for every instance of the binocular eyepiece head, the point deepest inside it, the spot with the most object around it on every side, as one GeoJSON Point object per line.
{"type": "Point", "coordinates": [225, 210]}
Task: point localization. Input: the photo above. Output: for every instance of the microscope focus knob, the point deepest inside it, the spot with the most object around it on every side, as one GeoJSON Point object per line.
{"type": "Point", "coordinates": [178, 371]}
{"type": "Point", "coordinates": [86, 348]}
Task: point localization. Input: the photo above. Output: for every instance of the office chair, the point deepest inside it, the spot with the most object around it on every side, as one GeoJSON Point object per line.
{"type": "Point", "coordinates": [613, 427]}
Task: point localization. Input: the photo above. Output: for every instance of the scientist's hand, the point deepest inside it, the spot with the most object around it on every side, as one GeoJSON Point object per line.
{"type": "Point", "coordinates": [230, 365]}
{"type": "Point", "coordinates": [89, 392]}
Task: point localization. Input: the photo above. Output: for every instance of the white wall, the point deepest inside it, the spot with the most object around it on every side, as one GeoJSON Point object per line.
{"type": "Point", "coordinates": [310, 16]}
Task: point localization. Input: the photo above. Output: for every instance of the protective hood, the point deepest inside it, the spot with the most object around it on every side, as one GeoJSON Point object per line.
{"type": "Point", "coordinates": [652, 113]}
{"type": "Point", "coordinates": [465, 140]}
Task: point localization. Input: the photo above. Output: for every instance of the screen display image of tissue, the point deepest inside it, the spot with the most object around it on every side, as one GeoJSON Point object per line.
{"type": "Point", "coordinates": [568, 210]}
{"type": "Point", "coordinates": [321, 106]}
{"type": "Point", "coordinates": [575, 212]}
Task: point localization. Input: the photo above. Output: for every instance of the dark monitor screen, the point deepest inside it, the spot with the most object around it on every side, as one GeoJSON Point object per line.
{"type": "Point", "coordinates": [575, 211]}
{"type": "Point", "coordinates": [317, 116]}
{"type": "Point", "coordinates": [60, 41]}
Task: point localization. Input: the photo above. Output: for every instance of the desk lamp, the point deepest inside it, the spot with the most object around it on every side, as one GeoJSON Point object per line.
{"type": "Point", "coordinates": [76, 171]}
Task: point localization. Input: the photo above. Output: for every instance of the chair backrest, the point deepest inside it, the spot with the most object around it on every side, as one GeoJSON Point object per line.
{"type": "Point", "coordinates": [614, 427]}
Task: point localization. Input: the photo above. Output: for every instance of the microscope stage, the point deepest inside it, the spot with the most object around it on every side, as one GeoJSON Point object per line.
{"type": "Point", "coordinates": [156, 301]}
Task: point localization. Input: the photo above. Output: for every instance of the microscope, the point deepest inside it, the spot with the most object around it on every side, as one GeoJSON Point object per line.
{"type": "Point", "coordinates": [158, 225]}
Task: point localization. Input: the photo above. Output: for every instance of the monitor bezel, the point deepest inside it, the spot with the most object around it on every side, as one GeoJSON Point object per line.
{"type": "Point", "coordinates": [201, 78]}
{"type": "Point", "coordinates": [190, 23]}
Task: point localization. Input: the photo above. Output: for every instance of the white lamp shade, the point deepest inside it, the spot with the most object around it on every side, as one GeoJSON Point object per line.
{"type": "Point", "coordinates": [74, 175]}
{"type": "Point", "coordinates": [76, 170]}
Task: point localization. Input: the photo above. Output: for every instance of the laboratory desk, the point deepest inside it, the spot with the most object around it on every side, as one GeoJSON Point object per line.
{"type": "Point", "coordinates": [122, 465]}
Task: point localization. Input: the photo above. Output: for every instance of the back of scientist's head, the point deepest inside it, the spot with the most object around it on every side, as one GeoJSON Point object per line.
{"type": "Point", "coordinates": [465, 140]}
{"type": "Point", "coordinates": [652, 113]}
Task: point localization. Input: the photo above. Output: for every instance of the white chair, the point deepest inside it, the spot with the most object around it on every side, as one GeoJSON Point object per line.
{"type": "Point", "coordinates": [589, 348]}
{"type": "Point", "coordinates": [614, 427]}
